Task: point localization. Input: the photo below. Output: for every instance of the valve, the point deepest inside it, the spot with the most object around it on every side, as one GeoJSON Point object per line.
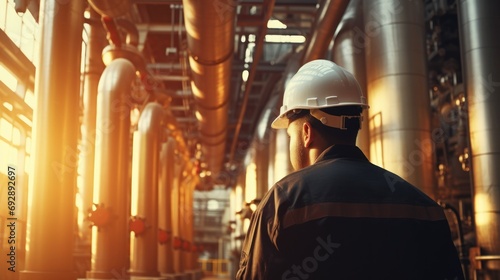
{"type": "Point", "coordinates": [100, 216]}
{"type": "Point", "coordinates": [137, 225]}
{"type": "Point", "coordinates": [177, 243]}
{"type": "Point", "coordinates": [163, 236]}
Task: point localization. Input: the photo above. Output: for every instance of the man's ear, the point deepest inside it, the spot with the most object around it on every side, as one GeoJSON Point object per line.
{"type": "Point", "coordinates": [307, 134]}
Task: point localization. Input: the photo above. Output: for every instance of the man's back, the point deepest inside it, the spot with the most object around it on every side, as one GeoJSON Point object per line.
{"type": "Point", "coordinates": [344, 218]}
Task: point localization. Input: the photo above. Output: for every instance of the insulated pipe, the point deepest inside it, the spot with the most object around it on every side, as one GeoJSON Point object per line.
{"type": "Point", "coordinates": [479, 23]}
{"type": "Point", "coordinates": [400, 132]}
{"type": "Point", "coordinates": [93, 70]}
{"type": "Point", "coordinates": [349, 52]}
{"type": "Point", "coordinates": [210, 36]}
{"type": "Point", "coordinates": [327, 19]}
{"type": "Point", "coordinates": [165, 207]}
{"type": "Point", "coordinates": [110, 240]}
{"type": "Point", "coordinates": [144, 245]}
{"type": "Point", "coordinates": [51, 216]}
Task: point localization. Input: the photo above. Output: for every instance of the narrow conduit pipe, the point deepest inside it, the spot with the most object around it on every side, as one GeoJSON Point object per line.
{"type": "Point", "coordinates": [110, 240]}
{"type": "Point", "coordinates": [480, 44]}
{"type": "Point", "coordinates": [144, 245]}
{"type": "Point", "coordinates": [400, 134]}
{"type": "Point", "coordinates": [93, 71]}
{"type": "Point", "coordinates": [210, 36]}
{"type": "Point", "coordinates": [349, 52]}
{"type": "Point", "coordinates": [328, 17]}
{"type": "Point", "coordinates": [51, 216]}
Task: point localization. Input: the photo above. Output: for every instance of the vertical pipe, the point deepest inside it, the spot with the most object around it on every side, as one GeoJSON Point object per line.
{"type": "Point", "coordinates": [349, 52]}
{"type": "Point", "coordinates": [165, 207]}
{"type": "Point", "coordinates": [52, 213]}
{"type": "Point", "coordinates": [110, 241]}
{"type": "Point", "coordinates": [176, 218]}
{"type": "Point", "coordinates": [144, 260]}
{"type": "Point", "coordinates": [93, 70]}
{"type": "Point", "coordinates": [479, 24]}
{"type": "Point", "coordinates": [189, 225]}
{"type": "Point", "coordinates": [396, 77]}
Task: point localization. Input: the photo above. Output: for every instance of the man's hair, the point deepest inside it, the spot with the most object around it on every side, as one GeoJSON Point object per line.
{"type": "Point", "coordinates": [332, 134]}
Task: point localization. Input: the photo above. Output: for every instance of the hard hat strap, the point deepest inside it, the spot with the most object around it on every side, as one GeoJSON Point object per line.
{"type": "Point", "coordinates": [332, 120]}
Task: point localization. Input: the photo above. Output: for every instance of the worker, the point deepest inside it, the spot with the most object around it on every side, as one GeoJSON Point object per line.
{"type": "Point", "coordinates": [338, 216]}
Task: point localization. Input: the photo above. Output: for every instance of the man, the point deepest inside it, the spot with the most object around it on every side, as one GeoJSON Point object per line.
{"type": "Point", "coordinates": [339, 216]}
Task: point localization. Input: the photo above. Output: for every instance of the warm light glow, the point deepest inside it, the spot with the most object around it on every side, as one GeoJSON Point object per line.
{"type": "Point", "coordinates": [198, 116]}
{"type": "Point", "coordinates": [7, 78]}
{"type": "Point", "coordinates": [275, 24]}
{"type": "Point", "coordinates": [134, 116]}
{"type": "Point", "coordinates": [282, 157]}
{"type": "Point", "coordinates": [290, 39]}
{"type": "Point", "coordinates": [482, 204]}
{"type": "Point", "coordinates": [25, 120]}
{"type": "Point", "coordinates": [8, 106]}
{"type": "Point", "coordinates": [251, 182]}
{"type": "Point", "coordinates": [244, 75]}
{"type": "Point", "coordinates": [376, 142]}
{"type": "Point", "coordinates": [135, 174]}
{"type": "Point", "coordinates": [29, 99]}
{"type": "Point", "coordinates": [212, 204]}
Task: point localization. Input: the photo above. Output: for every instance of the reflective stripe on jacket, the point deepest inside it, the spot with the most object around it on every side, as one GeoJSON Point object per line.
{"type": "Point", "coordinates": [345, 218]}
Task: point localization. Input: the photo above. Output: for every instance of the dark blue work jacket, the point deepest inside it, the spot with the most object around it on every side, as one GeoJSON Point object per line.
{"type": "Point", "coordinates": [345, 218]}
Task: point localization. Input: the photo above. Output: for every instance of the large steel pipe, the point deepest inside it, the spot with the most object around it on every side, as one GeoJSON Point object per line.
{"type": "Point", "coordinates": [51, 217]}
{"type": "Point", "coordinates": [210, 35]}
{"type": "Point", "coordinates": [165, 207]}
{"type": "Point", "coordinates": [479, 23]}
{"type": "Point", "coordinates": [144, 245]}
{"type": "Point", "coordinates": [400, 132]}
{"type": "Point", "coordinates": [349, 52]}
{"type": "Point", "coordinates": [110, 240]}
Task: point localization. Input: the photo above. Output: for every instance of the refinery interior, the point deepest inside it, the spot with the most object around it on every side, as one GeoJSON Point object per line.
{"type": "Point", "coordinates": [137, 132]}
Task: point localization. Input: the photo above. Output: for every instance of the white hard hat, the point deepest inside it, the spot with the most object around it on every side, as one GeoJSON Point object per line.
{"type": "Point", "coordinates": [320, 84]}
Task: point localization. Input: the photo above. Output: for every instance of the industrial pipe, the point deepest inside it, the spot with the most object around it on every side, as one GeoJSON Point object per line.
{"type": "Point", "coordinates": [326, 21]}
{"type": "Point", "coordinates": [210, 37]}
{"type": "Point", "coordinates": [51, 218]}
{"type": "Point", "coordinates": [93, 71]}
{"type": "Point", "coordinates": [165, 207]}
{"type": "Point", "coordinates": [349, 52]}
{"type": "Point", "coordinates": [400, 134]}
{"type": "Point", "coordinates": [110, 240]}
{"type": "Point", "coordinates": [144, 244]}
{"type": "Point", "coordinates": [480, 45]}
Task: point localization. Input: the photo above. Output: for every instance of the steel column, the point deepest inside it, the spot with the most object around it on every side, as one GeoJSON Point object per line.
{"type": "Point", "coordinates": [396, 77]}
{"type": "Point", "coordinates": [480, 45]}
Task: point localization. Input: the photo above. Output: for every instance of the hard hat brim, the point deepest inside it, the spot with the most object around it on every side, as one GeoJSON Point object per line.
{"type": "Point", "coordinates": [280, 122]}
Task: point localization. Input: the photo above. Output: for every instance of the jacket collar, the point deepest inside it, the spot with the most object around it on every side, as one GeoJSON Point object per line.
{"type": "Point", "coordinates": [341, 151]}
